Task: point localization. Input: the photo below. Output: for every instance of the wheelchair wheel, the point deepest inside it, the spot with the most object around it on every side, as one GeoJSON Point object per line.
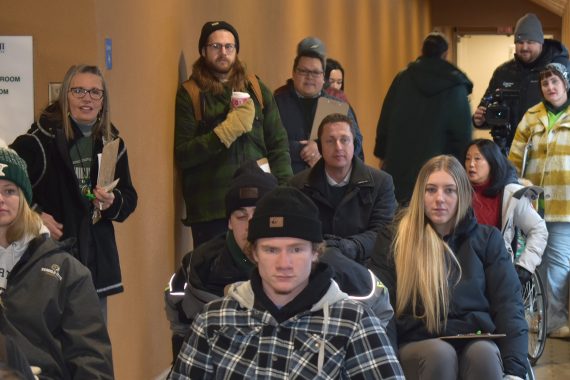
{"type": "Point", "coordinates": [534, 298]}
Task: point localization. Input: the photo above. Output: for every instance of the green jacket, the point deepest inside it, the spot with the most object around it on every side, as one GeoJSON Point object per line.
{"type": "Point", "coordinates": [425, 113]}
{"type": "Point", "coordinates": [207, 165]}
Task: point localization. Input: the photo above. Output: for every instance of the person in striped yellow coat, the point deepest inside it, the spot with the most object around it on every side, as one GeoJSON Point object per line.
{"type": "Point", "coordinates": [541, 154]}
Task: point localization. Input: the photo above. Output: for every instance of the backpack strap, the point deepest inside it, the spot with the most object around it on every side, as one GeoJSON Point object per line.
{"type": "Point", "coordinates": [192, 88]}
{"type": "Point", "coordinates": [252, 78]}
{"type": "Point", "coordinates": [194, 91]}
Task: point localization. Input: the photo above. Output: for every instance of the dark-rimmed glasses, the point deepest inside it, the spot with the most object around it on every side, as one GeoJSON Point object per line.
{"type": "Point", "coordinates": [80, 92]}
{"type": "Point", "coordinates": [218, 47]}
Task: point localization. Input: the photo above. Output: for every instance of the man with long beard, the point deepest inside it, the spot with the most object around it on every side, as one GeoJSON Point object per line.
{"type": "Point", "coordinates": [213, 138]}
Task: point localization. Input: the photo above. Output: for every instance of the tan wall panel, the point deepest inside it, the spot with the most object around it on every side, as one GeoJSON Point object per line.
{"type": "Point", "coordinates": [143, 81]}
{"type": "Point", "coordinates": [59, 41]}
{"type": "Point", "coordinates": [373, 39]}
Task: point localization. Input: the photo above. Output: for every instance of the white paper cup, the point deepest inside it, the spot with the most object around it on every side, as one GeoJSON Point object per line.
{"type": "Point", "coordinates": [238, 98]}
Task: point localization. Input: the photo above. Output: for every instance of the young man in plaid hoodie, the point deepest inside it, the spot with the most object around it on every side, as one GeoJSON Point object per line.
{"type": "Point", "coordinates": [290, 320]}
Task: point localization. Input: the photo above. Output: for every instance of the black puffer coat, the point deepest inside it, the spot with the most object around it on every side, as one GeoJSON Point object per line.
{"type": "Point", "coordinates": [487, 298]}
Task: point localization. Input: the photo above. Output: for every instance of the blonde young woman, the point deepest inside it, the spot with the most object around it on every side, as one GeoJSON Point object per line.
{"type": "Point", "coordinates": [51, 310]}
{"type": "Point", "coordinates": [446, 276]}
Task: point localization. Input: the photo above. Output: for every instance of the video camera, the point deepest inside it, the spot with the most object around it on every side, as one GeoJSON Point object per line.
{"type": "Point", "coordinates": [498, 115]}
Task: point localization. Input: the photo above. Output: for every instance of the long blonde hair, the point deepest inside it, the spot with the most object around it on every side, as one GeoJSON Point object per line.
{"type": "Point", "coordinates": [60, 111]}
{"type": "Point", "coordinates": [27, 221]}
{"type": "Point", "coordinates": [424, 262]}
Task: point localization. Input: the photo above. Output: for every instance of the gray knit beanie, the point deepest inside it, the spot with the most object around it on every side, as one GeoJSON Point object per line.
{"type": "Point", "coordinates": [529, 28]}
{"type": "Point", "coordinates": [14, 169]}
{"type": "Point", "coordinates": [559, 70]}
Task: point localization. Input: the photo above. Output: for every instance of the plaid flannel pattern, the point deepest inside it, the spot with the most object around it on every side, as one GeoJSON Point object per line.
{"type": "Point", "coordinates": [231, 342]}
{"type": "Point", "coordinates": [208, 166]}
{"type": "Point", "coordinates": [548, 159]}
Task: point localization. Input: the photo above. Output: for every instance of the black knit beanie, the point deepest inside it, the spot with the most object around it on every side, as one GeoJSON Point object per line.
{"type": "Point", "coordinates": [285, 212]}
{"type": "Point", "coordinates": [14, 169]}
{"type": "Point", "coordinates": [210, 27]}
{"type": "Point", "coordinates": [248, 185]}
{"type": "Point", "coordinates": [529, 28]}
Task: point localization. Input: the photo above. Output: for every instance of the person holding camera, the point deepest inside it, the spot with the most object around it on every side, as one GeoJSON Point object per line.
{"type": "Point", "coordinates": [519, 76]}
{"type": "Point", "coordinates": [541, 153]}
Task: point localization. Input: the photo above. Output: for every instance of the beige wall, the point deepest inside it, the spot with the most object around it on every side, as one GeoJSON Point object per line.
{"type": "Point", "coordinates": [490, 14]}
{"type": "Point", "coordinates": [373, 39]}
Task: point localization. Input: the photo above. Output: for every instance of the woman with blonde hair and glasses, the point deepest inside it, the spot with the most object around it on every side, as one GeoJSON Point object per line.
{"type": "Point", "coordinates": [50, 308]}
{"type": "Point", "coordinates": [452, 284]}
{"type": "Point", "coordinates": [61, 151]}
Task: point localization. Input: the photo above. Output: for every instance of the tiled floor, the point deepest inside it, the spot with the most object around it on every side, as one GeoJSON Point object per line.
{"type": "Point", "coordinates": [555, 361]}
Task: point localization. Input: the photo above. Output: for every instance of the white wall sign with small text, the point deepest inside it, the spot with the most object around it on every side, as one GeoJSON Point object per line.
{"type": "Point", "coordinates": [16, 86]}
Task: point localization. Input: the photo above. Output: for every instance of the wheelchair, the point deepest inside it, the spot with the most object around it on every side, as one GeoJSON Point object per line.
{"type": "Point", "coordinates": [534, 300]}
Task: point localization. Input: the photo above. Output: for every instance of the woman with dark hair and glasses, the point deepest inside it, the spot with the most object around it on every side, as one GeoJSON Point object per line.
{"type": "Point", "coordinates": [500, 200]}
{"type": "Point", "coordinates": [61, 151]}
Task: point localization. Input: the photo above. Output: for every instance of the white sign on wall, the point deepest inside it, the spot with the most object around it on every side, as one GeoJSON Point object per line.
{"type": "Point", "coordinates": [16, 86]}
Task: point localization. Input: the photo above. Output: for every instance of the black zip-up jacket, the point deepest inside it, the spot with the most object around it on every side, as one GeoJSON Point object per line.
{"type": "Point", "coordinates": [56, 191]}
{"type": "Point", "coordinates": [53, 315]}
{"type": "Point", "coordinates": [523, 79]}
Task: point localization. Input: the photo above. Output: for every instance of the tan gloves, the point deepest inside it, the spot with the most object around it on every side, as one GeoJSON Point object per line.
{"type": "Point", "coordinates": [238, 122]}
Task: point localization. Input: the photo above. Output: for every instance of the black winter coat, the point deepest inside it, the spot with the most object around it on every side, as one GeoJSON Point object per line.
{"type": "Point", "coordinates": [367, 205]}
{"type": "Point", "coordinates": [425, 113]}
{"type": "Point", "coordinates": [56, 191]}
{"type": "Point", "coordinates": [488, 296]}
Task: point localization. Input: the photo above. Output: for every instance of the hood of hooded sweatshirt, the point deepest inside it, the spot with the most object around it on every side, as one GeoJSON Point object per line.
{"type": "Point", "coordinates": [242, 292]}
{"type": "Point", "coordinates": [432, 76]}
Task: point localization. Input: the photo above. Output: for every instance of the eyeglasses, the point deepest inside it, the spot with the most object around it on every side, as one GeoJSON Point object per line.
{"type": "Point", "coordinates": [307, 73]}
{"type": "Point", "coordinates": [80, 92]}
{"type": "Point", "coordinates": [218, 47]}
{"type": "Point", "coordinates": [337, 81]}
{"type": "Point", "coordinates": [344, 141]}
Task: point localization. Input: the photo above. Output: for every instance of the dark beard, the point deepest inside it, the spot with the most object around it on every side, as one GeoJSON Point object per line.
{"type": "Point", "coordinates": [216, 70]}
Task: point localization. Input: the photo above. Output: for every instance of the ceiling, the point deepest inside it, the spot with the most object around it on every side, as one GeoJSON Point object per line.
{"type": "Point", "coordinates": [554, 6]}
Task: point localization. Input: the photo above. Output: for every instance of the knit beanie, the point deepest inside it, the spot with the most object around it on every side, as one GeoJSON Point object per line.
{"type": "Point", "coordinates": [210, 27]}
{"type": "Point", "coordinates": [314, 45]}
{"type": "Point", "coordinates": [14, 169]}
{"type": "Point", "coordinates": [560, 71]}
{"type": "Point", "coordinates": [247, 186]}
{"type": "Point", "coordinates": [285, 212]}
{"type": "Point", "coordinates": [529, 28]}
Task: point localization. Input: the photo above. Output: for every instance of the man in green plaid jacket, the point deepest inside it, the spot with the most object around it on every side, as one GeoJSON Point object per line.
{"type": "Point", "coordinates": [211, 142]}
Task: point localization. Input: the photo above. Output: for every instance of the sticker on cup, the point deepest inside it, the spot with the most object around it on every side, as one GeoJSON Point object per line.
{"type": "Point", "coordinates": [238, 98]}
